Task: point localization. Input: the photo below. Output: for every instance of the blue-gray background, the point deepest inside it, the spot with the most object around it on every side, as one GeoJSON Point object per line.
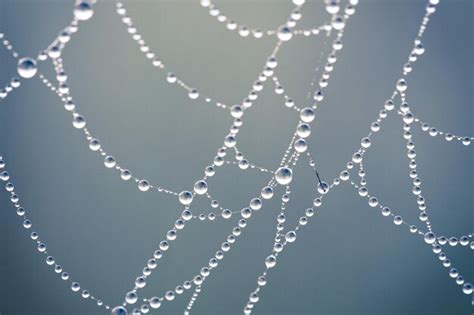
{"type": "Point", "coordinates": [348, 260]}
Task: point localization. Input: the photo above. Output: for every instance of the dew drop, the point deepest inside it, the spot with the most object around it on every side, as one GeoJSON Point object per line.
{"type": "Point", "coordinates": [27, 68]}
{"type": "Point", "coordinates": [284, 175]}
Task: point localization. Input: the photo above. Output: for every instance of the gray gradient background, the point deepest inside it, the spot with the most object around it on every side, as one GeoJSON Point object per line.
{"type": "Point", "coordinates": [348, 260]}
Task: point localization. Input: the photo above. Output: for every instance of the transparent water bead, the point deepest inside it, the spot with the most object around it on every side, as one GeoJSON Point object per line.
{"type": "Point", "coordinates": [193, 94]}
{"type": "Point", "coordinates": [143, 185]}
{"type": "Point", "coordinates": [270, 261]}
{"type": "Point", "coordinates": [140, 282]}
{"type": "Point", "coordinates": [402, 85]}
{"type": "Point", "coordinates": [119, 310]}
{"type": "Point", "coordinates": [467, 288]}
{"type": "Point", "coordinates": [373, 202]}
{"type": "Point", "coordinates": [200, 187]}
{"type": "Point", "coordinates": [398, 220]}
{"type": "Point", "coordinates": [290, 237]}
{"type": "Point", "coordinates": [323, 188]}
{"type": "Point", "coordinates": [338, 22]}
{"type": "Point", "coordinates": [236, 111]}
{"type": "Point", "coordinates": [298, 2]}
{"type": "Point", "coordinates": [75, 286]}
{"type": "Point", "coordinates": [303, 130]}
{"type": "Point", "coordinates": [170, 295]}
{"type": "Point", "coordinates": [318, 96]}
{"type": "Point", "coordinates": [307, 115]}
{"type": "Point", "coordinates": [284, 33]}
{"type": "Point", "coordinates": [430, 238]}
{"type": "Point", "coordinates": [78, 121]}
{"type": "Point", "coordinates": [389, 105]}
{"type": "Point", "coordinates": [272, 62]}
{"type": "Point", "coordinates": [109, 161]}
{"type": "Point", "coordinates": [185, 197]}
{"type": "Point", "coordinates": [284, 175]}
{"type": "Point", "coordinates": [332, 6]}
{"type": "Point", "coordinates": [27, 68]}
{"type": "Point", "coordinates": [83, 10]}
{"type": "Point", "coordinates": [267, 192]}
{"type": "Point", "coordinates": [419, 49]}
{"type": "Point", "coordinates": [300, 145]}
{"type": "Point", "coordinates": [125, 174]}
{"type": "Point", "coordinates": [365, 142]}
{"type": "Point", "coordinates": [131, 297]}
{"type": "Point", "coordinates": [155, 302]}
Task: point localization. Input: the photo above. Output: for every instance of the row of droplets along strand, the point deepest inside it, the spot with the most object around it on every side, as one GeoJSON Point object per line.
{"type": "Point", "coordinates": [374, 202]}
{"type": "Point", "coordinates": [41, 244]}
{"type": "Point", "coordinates": [193, 93]}
{"type": "Point", "coordinates": [244, 31]}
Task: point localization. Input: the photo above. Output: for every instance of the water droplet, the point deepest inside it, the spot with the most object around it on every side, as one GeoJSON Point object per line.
{"type": "Point", "coordinates": [109, 161]}
{"type": "Point", "coordinates": [307, 115]}
{"type": "Point", "coordinates": [373, 202]}
{"type": "Point", "coordinates": [290, 237]}
{"type": "Point", "coordinates": [338, 22]}
{"type": "Point", "coordinates": [27, 68]}
{"type": "Point", "coordinates": [284, 175]}
{"type": "Point", "coordinates": [365, 142]}
{"type": "Point", "coordinates": [155, 302]}
{"type": "Point", "coordinates": [298, 2]}
{"type": "Point", "coordinates": [397, 220]}
{"type": "Point", "coordinates": [303, 130]}
{"type": "Point", "coordinates": [185, 197]}
{"type": "Point", "coordinates": [119, 310]}
{"type": "Point", "coordinates": [169, 295]}
{"type": "Point", "coordinates": [78, 121]}
{"type": "Point", "coordinates": [402, 85]}
{"type": "Point", "coordinates": [267, 192]}
{"type": "Point", "coordinates": [125, 174]}
{"type": "Point", "coordinates": [143, 185]}
{"type": "Point", "coordinates": [467, 288]}
{"type": "Point", "coordinates": [193, 94]}
{"type": "Point", "coordinates": [75, 286]}
{"type": "Point", "coordinates": [200, 187]}
{"type": "Point", "coordinates": [270, 261]}
{"type": "Point", "coordinates": [323, 188]}
{"type": "Point", "coordinates": [284, 33]}
{"type": "Point", "coordinates": [131, 297]}
{"type": "Point", "coordinates": [236, 111]}
{"type": "Point", "coordinates": [83, 10]}
{"type": "Point", "coordinates": [140, 282]}
{"type": "Point", "coordinates": [332, 6]}
{"type": "Point", "coordinates": [300, 145]}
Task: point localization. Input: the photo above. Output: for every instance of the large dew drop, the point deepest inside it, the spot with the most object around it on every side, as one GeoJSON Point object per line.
{"type": "Point", "coordinates": [83, 10]}
{"type": "Point", "coordinates": [284, 33]}
{"type": "Point", "coordinates": [119, 310]}
{"type": "Point", "coordinates": [270, 261]}
{"type": "Point", "coordinates": [185, 197]}
{"type": "Point", "coordinates": [27, 68]}
{"type": "Point", "coordinates": [284, 175]}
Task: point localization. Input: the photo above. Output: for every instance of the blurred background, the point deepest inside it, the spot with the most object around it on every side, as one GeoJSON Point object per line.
{"type": "Point", "coordinates": [349, 259]}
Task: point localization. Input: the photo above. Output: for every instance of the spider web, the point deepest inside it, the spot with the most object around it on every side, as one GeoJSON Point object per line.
{"type": "Point", "coordinates": [297, 151]}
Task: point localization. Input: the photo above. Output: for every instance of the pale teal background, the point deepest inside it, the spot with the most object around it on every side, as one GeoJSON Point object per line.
{"type": "Point", "coordinates": [348, 260]}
